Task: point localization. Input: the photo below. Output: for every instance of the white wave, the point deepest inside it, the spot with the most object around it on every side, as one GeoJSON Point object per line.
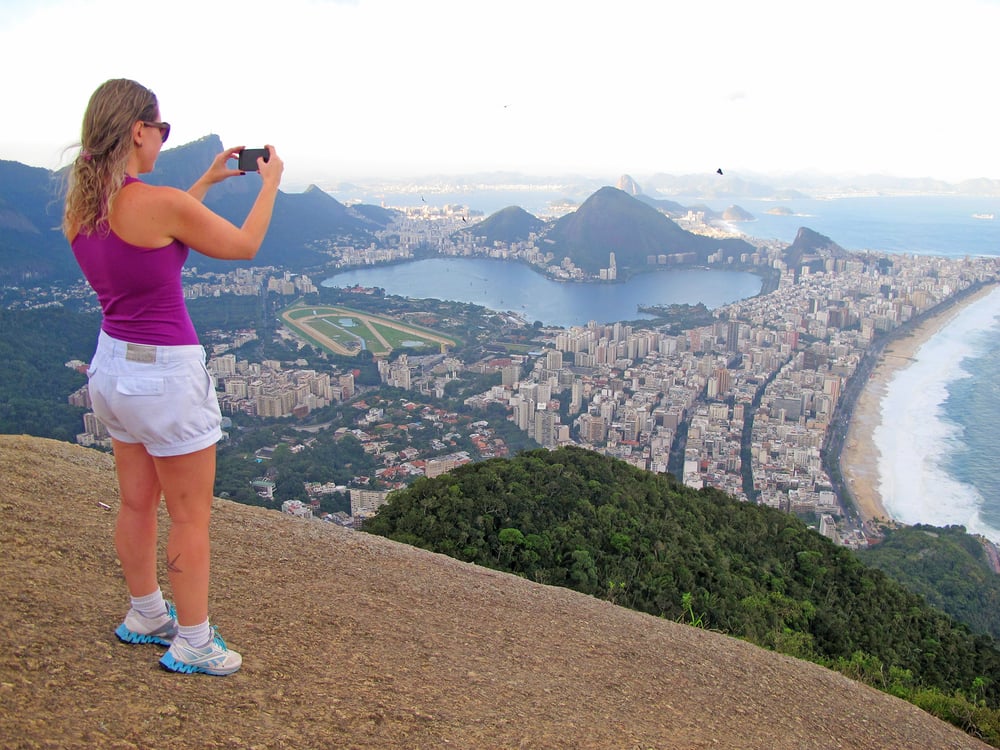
{"type": "Point", "coordinates": [915, 438]}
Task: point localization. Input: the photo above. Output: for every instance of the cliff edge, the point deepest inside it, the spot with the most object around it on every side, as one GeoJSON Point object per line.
{"type": "Point", "coordinates": [354, 641]}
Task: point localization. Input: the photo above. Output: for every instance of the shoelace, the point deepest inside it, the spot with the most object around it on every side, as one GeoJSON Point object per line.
{"type": "Point", "coordinates": [217, 638]}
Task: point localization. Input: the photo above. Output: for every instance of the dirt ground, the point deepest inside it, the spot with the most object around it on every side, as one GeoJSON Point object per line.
{"type": "Point", "coordinates": [353, 641]}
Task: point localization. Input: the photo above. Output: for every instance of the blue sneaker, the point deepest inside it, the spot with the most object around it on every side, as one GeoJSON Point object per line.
{"type": "Point", "coordinates": [213, 658]}
{"type": "Point", "coordinates": [140, 629]}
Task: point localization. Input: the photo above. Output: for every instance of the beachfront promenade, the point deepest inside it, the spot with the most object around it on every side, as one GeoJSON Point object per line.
{"type": "Point", "coordinates": [757, 404]}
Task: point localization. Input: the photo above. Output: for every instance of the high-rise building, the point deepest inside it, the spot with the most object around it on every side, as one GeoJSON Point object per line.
{"type": "Point", "coordinates": [94, 426]}
{"type": "Point", "coordinates": [546, 426]}
{"type": "Point", "coordinates": [366, 502]}
{"type": "Point", "coordinates": [733, 336]}
{"type": "Point", "coordinates": [223, 366]}
{"type": "Point", "coordinates": [576, 396]}
{"type": "Point", "coordinates": [346, 383]}
{"type": "Point", "coordinates": [554, 359]}
{"type": "Point", "coordinates": [510, 374]}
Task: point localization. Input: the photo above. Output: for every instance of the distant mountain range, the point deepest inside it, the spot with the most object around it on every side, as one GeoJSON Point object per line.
{"type": "Point", "coordinates": [710, 185]}
{"type": "Point", "coordinates": [637, 228]}
{"type": "Point", "coordinates": [33, 248]}
{"type": "Point", "coordinates": [31, 245]}
{"type": "Point", "coordinates": [689, 188]}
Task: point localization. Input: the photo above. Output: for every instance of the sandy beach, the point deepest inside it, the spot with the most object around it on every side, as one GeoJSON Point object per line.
{"type": "Point", "coordinates": [860, 457]}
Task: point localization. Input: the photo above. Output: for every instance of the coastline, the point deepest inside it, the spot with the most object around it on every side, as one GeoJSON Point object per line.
{"type": "Point", "coordinates": [859, 459]}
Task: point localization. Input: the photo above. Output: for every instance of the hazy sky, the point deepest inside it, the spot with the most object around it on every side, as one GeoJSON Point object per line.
{"type": "Point", "coordinates": [361, 88]}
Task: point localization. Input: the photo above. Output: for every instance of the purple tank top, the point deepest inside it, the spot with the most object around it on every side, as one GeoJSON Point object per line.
{"type": "Point", "coordinates": [139, 288]}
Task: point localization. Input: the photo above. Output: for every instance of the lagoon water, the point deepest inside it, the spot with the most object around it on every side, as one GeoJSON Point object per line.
{"type": "Point", "coordinates": [501, 285]}
{"type": "Point", "coordinates": [938, 440]}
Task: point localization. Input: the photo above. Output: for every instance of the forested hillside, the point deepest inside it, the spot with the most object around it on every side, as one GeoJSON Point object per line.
{"type": "Point", "coordinates": [573, 518]}
{"type": "Point", "coordinates": [34, 382]}
{"type": "Point", "coordinates": [948, 567]}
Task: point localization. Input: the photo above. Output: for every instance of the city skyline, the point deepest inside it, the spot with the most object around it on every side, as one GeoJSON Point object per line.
{"type": "Point", "coordinates": [368, 88]}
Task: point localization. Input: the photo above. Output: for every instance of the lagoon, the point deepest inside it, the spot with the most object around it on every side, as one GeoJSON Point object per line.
{"type": "Point", "coordinates": [506, 285]}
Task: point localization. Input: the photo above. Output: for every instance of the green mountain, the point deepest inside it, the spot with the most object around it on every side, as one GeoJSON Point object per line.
{"type": "Point", "coordinates": [812, 249]}
{"type": "Point", "coordinates": [948, 567]}
{"type": "Point", "coordinates": [573, 518]}
{"type": "Point", "coordinates": [612, 221]}
{"type": "Point", "coordinates": [508, 225]}
{"type": "Point", "coordinates": [31, 244]}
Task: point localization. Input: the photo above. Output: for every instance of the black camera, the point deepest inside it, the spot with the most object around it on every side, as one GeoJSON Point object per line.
{"type": "Point", "coordinates": [248, 158]}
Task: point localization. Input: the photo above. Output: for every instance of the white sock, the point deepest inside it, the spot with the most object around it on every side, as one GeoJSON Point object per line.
{"type": "Point", "coordinates": [198, 636]}
{"type": "Point", "coordinates": [150, 605]}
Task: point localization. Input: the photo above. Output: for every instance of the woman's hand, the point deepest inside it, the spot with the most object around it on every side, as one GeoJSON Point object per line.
{"type": "Point", "coordinates": [270, 170]}
{"type": "Point", "coordinates": [202, 229]}
{"type": "Point", "coordinates": [216, 173]}
{"type": "Point", "coordinates": [220, 170]}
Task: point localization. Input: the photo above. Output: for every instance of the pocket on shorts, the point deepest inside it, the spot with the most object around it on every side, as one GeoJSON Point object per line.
{"type": "Point", "coordinates": [136, 386]}
{"type": "Point", "coordinates": [208, 380]}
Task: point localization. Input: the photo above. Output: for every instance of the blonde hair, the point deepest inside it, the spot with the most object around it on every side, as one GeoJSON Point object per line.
{"type": "Point", "coordinates": [98, 172]}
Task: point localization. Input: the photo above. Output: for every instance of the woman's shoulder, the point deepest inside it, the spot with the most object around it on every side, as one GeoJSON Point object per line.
{"type": "Point", "coordinates": [145, 215]}
{"type": "Point", "coordinates": [136, 193]}
{"type": "Point", "coordinates": [138, 188]}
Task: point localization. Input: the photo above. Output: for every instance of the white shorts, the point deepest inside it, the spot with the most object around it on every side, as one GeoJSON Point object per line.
{"type": "Point", "coordinates": [160, 396]}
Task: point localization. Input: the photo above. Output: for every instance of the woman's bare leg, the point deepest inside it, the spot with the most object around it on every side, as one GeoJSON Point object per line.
{"type": "Point", "coordinates": [188, 482]}
{"type": "Point", "coordinates": [136, 526]}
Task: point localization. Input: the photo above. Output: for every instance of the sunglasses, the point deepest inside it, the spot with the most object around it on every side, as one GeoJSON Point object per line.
{"type": "Point", "coordinates": [163, 127]}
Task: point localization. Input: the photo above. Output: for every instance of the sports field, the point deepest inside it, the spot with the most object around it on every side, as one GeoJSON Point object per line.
{"type": "Point", "coordinates": [343, 331]}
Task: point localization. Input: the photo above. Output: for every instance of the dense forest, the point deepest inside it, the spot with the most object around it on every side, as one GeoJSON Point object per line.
{"type": "Point", "coordinates": [948, 567]}
{"type": "Point", "coordinates": [34, 381]}
{"type": "Point", "coordinates": [573, 518]}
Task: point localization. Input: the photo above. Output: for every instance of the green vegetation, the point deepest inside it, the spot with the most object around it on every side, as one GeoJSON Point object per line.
{"type": "Point", "coordinates": [345, 331]}
{"type": "Point", "coordinates": [328, 460]}
{"type": "Point", "coordinates": [574, 518]}
{"type": "Point", "coordinates": [679, 317]}
{"type": "Point", "coordinates": [946, 566]}
{"type": "Point", "coordinates": [226, 312]}
{"type": "Point", "coordinates": [344, 327]}
{"type": "Point", "coordinates": [401, 339]}
{"type": "Point", "coordinates": [34, 382]}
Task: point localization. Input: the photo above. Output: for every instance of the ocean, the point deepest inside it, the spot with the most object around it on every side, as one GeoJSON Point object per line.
{"type": "Point", "coordinates": [938, 440]}
{"type": "Point", "coordinates": [922, 225]}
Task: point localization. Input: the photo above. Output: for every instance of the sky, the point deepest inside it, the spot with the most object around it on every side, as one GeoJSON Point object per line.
{"type": "Point", "coordinates": [360, 89]}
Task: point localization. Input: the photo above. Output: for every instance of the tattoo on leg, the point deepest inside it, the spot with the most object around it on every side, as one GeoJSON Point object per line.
{"type": "Point", "coordinates": [172, 564]}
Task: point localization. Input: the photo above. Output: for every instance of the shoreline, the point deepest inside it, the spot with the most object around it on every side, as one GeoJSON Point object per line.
{"type": "Point", "coordinates": [859, 459]}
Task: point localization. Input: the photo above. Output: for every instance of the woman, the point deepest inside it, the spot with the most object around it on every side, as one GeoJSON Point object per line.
{"type": "Point", "coordinates": [148, 381]}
